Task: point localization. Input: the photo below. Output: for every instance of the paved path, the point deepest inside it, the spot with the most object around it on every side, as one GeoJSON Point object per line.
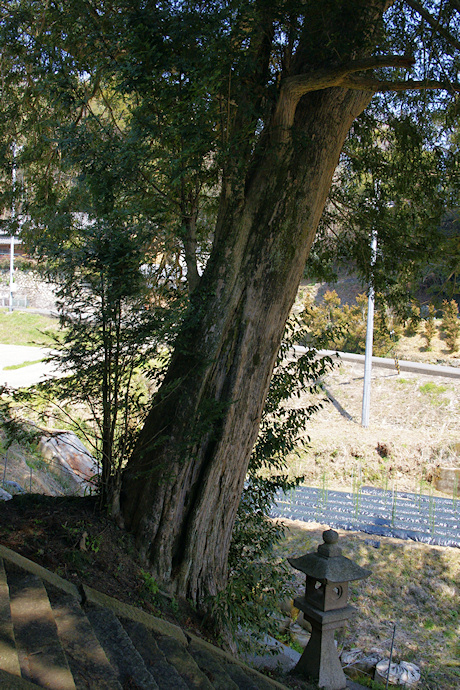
{"type": "Point", "coordinates": [27, 375]}
{"type": "Point", "coordinates": [387, 363]}
{"type": "Point", "coordinates": [33, 373]}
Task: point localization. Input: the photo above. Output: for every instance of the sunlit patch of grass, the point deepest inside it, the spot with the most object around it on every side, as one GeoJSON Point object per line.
{"type": "Point", "coordinates": [431, 388]}
{"type": "Point", "coordinates": [27, 363]}
{"type": "Point", "coordinates": [24, 328]}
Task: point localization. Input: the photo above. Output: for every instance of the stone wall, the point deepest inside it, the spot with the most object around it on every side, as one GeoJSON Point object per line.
{"type": "Point", "coordinates": [38, 293]}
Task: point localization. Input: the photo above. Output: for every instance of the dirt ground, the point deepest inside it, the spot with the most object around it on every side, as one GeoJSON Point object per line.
{"type": "Point", "coordinates": [414, 428]}
{"type": "Point", "coordinates": [72, 537]}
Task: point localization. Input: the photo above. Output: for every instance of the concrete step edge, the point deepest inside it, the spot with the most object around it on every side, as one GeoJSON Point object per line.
{"type": "Point", "coordinates": [9, 681]}
{"type": "Point", "coordinates": [210, 662]}
{"type": "Point", "coordinates": [42, 658]}
{"type": "Point", "coordinates": [158, 625]}
{"type": "Point", "coordinates": [86, 656]}
{"type": "Point", "coordinates": [143, 639]}
{"type": "Point", "coordinates": [127, 611]}
{"type": "Point", "coordinates": [230, 659]}
{"type": "Point", "coordinates": [119, 648]}
{"type": "Point", "coordinates": [35, 569]}
{"type": "Point", "coordinates": [9, 660]}
{"type": "Point", "coordinates": [179, 657]}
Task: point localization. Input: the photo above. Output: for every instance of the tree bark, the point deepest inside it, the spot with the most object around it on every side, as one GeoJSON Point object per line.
{"type": "Point", "coordinates": [182, 486]}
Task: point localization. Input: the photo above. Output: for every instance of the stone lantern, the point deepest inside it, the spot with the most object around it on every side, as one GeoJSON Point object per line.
{"type": "Point", "coordinates": [325, 607]}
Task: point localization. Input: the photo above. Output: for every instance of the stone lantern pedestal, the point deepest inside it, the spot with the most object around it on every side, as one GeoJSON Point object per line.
{"type": "Point", "coordinates": [325, 607]}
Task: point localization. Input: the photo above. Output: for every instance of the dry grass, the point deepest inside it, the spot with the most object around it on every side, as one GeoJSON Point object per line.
{"type": "Point", "coordinates": [414, 427]}
{"type": "Point", "coordinates": [412, 585]}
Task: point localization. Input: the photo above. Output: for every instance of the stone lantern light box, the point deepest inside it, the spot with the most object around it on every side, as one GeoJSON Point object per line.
{"type": "Point", "coordinates": [325, 606]}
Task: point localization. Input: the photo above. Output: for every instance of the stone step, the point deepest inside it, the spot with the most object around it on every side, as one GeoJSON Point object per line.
{"type": "Point", "coordinates": [123, 656]}
{"type": "Point", "coordinates": [64, 637]}
{"type": "Point", "coordinates": [9, 661]}
{"type": "Point", "coordinates": [241, 678]}
{"type": "Point", "coordinates": [41, 657]}
{"type": "Point", "coordinates": [215, 670]}
{"type": "Point", "coordinates": [240, 675]}
{"type": "Point", "coordinates": [87, 660]}
{"type": "Point", "coordinates": [9, 681]}
{"type": "Point", "coordinates": [177, 655]}
{"type": "Point", "coordinates": [165, 675]}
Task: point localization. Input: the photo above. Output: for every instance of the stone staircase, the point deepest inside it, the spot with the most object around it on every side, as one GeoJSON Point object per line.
{"type": "Point", "coordinates": [59, 636]}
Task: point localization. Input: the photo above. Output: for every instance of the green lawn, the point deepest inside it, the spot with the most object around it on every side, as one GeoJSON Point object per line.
{"type": "Point", "coordinates": [23, 328]}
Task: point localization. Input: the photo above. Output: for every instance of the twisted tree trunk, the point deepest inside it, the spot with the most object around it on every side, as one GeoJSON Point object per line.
{"type": "Point", "coordinates": [183, 484]}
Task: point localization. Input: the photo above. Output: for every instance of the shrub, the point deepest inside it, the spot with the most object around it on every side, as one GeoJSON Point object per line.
{"type": "Point", "coordinates": [429, 327]}
{"type": "Point", "coordinates": [338, 327]}
{"type": "Point", "coordinates": [413, 320]}
{"type": "Point", "coordinates": [450, 324]}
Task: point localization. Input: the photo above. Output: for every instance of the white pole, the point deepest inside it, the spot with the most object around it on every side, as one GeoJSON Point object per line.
{"type": "Point", "coordinates": [10, 308]}
{"type": "Point", "coordinates": [13, 213]}
{"type": "Point", "coordinates": [369, 341]}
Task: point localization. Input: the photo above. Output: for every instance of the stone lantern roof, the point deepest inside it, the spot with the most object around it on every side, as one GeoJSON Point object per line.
{"type": "Point", "coordinates": [328, 564]}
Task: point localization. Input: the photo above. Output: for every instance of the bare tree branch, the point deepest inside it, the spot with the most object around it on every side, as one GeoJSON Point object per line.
{"type": "Point", "coordinates": [434, 23]}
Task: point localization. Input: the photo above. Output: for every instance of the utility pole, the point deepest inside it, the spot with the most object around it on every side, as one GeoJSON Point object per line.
{"type": "Point", "coordinates": [10, 306]}
{"type": "Point", "coordinates": [369, 339]}
{"type": "Point", "coordinates": [13, 214]}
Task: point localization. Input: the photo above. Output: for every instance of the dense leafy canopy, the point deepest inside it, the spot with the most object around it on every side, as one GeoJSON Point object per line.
{"type": "Point", "coordinates": [147, 107]}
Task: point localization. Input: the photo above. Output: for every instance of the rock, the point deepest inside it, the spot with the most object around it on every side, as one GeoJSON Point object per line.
{"type": "Point", "coordinates": [68, 457]}
{"type": "Point", "coordinates": [298, 634]}
{"type": "Point", "coordinates": [4, 495]}
{"type": "Point", "coordinates": [357, 663]}
{"type": "Point", "coordinates": [405, 674]}
{"type": "Point", "coordinates": [13, 487]}
{"type": "Point", "coordinates": [447, 479]}
{"type": "Point", "coordinates": [279, 657]}
{"type": "Point", "coordinates": [286, 606]}
{"type": "Point", "coordinates": [300, 620]}
{"type": "Point", "coordinates": [30, 476]}
{"type": "Point", "coordinates": [283, 622]}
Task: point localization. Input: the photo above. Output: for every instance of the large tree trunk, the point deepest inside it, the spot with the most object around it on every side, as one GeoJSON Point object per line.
{"type": "Point", "coordinates": [182, 486]}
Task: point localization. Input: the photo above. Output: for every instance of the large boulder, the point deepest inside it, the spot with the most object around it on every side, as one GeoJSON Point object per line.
{"type": "Point", "coordinates": [68, 458]}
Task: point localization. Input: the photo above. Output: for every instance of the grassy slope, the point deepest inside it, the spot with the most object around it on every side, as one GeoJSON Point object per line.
{"type": "Point", "coordinates": [24, 328]}
{"type": "Point", "coordinates": [412, 585]}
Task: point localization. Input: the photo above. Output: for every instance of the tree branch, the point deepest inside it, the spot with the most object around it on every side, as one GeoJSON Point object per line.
{"type": "Point", "coordinates": [435, 25]}
{"type": "Point", "coordinates": [378, 85]}
{"type": "Point", "coordinates": [300, 84]}
{"type": "Point", "coordinates": [293, 88]}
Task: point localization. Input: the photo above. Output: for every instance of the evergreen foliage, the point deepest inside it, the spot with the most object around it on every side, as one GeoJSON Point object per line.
{"type": "Point", "coordinates": [429, 326]}
{"type": "Point", "coordinates": [343, 327]}
{"type": "Point", "coordinates": [450, 324]}
{"type": "Point", "coordinates": [214, 128]}
{"type": "Point", "coordinates": [112, 330]}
